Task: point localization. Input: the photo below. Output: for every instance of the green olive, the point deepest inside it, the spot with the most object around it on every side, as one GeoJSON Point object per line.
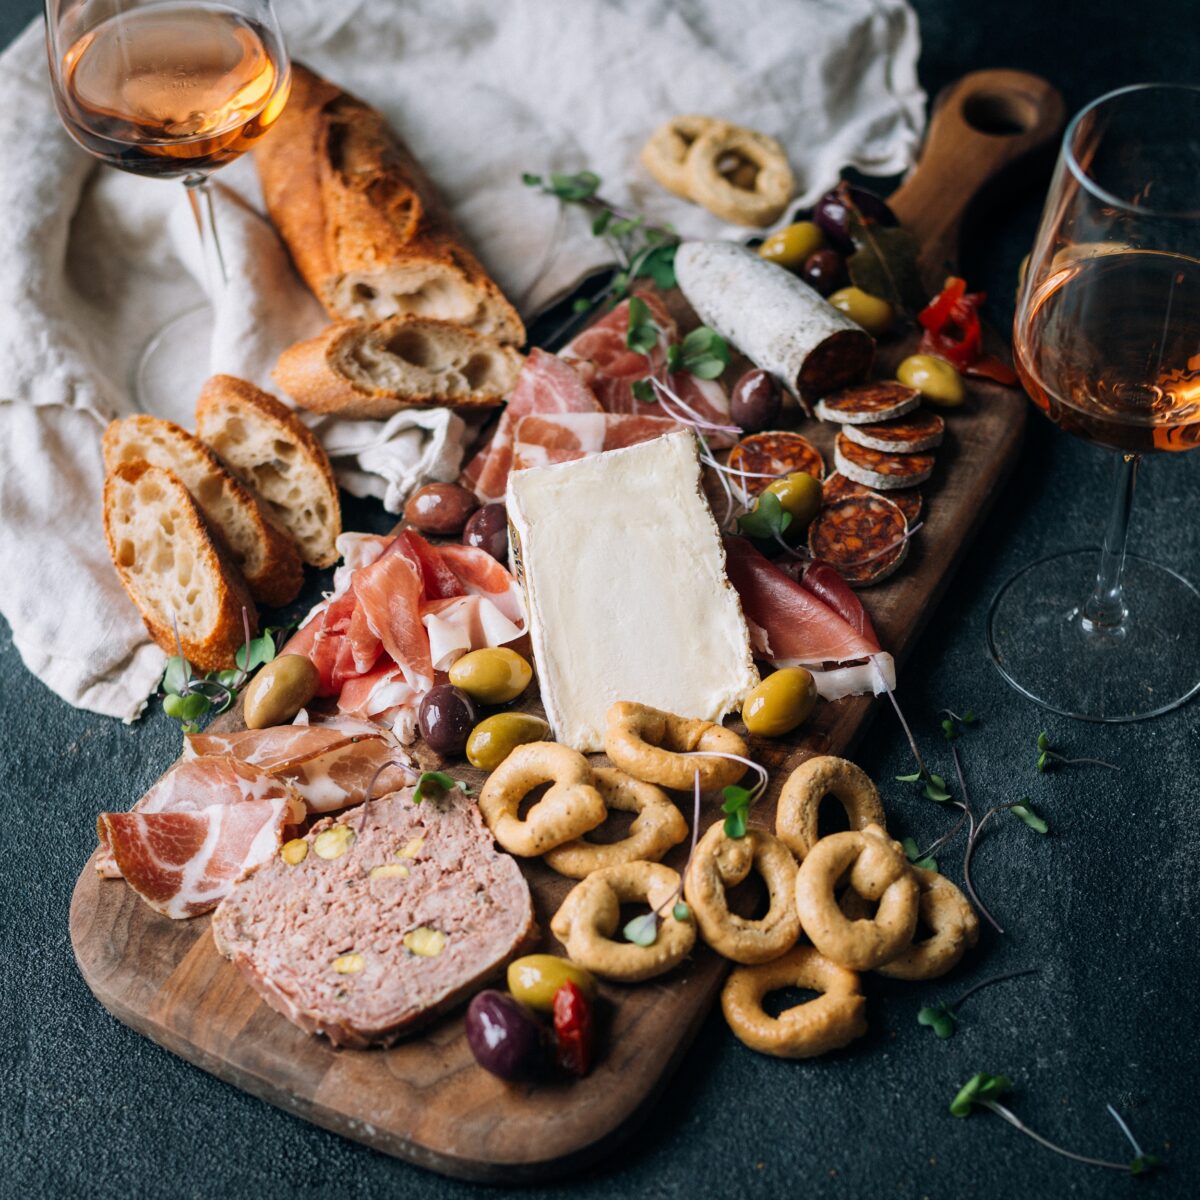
{"type": "Point", "coordinates": [535, 978]}
{"type": "Point", "coordinates": [492, 676]}
{"type": "Point", "coordinates": [799, 494]}
{"type": "Point", "coordinates": [874, 315]}
{"type": "Point", "coordinates": [791, 246]}
{"type": "Point", "coordinates": [935, 378]}
{"type": "Point", "coordinates": [493, 739]}
{"type": "Point", "coordinates": [782, 701]}
{"type": "Point", "coordinates": [279, 691]}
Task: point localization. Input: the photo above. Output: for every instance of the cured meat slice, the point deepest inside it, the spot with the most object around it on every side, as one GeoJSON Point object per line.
{"type": "Point", "coordinates": [830, 588]}
{"type": "Point", "coordinates": [390, 592]}
{"type": "Point", "coordinates": [546, 384]}
{"type": "Point", "coordinates": [878, 470]}
{"type": "Point", "coordinates": [464, 623]}
{"type": "Point", "coordinates": [270, 749]}
{"type": "Point", "coordinates": [907, 500]}
{"type": "Point", "coordinates": [438, 581]}
{"type": "Point", "coordinates": [543, 441]}
{"type": "Point", "coordinates": [481, 575]}
{"type": "Point", "coordinates": [603, 342]}
{"type": "Point", "coordinates": [863, 537]}
{"type": "Point", "coordinates": [184, 863]}
{"type": "Point", "coordinates": [365, 947]}
{"type": "Point", "coordinates": [919, 430]}
{"type": "Point", "coordinates": [868, 403]}
{"type": "Point", "coordinates": [764, 457]}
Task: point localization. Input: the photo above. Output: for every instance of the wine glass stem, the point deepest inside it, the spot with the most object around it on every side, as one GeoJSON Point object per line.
{"type": "Point", "coordinates": [1105, 609]}
{"type": "Point", "coordinates": [200, 197]}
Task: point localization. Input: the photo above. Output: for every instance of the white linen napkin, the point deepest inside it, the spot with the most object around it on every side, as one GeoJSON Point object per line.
{"type": "Point", "coordinates": [93, 261]}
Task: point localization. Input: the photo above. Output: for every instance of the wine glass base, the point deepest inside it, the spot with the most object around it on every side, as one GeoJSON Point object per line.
{"type": "Point", "coordinates": [174, 365]}
{"type": "Point", "coordinates": [1148, 665]}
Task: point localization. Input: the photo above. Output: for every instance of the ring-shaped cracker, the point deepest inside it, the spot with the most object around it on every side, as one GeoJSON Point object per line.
{"type": "Point", "coordinates": [834, 1019]}
{"type": "Point", "coordinates": [799, 807]}
{"type": "Point", "coordinates": [589, 916]}
{"type": "Point", "coordinates": [774, 184]}
{"type": "Point", "coordinates": [568, 810]}
{"type": "Point", "coordinates": [946, 912]}
{"type": "Point", "coordinates": [876, 869]}
{"type": "Point", "coordinates": [650, 745]}
{"type": "Point", "coordinates": [658, 826]}
{"type": "Point", "coordinates": [722, 862]}
{"type": "Point", "coordinates": [665, 154]}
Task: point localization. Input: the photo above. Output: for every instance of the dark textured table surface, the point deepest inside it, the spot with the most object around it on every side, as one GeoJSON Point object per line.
{"type": "Point", "coordinates": [1106, 905]}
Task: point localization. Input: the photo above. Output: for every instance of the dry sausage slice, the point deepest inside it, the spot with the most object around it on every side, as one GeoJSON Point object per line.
{"type": "Point", "coordinates": [921, 430]}
{"type": "Point", "coordinates": [864, 537]}
{"type": "Point", "coordinates": [907, 500]}
{"type": "Point", "coordinates": [877, 469]}
{"type": "Point", "coordinates": [772, 455]}
{"type": "Point", "coordinates": [867, 403]}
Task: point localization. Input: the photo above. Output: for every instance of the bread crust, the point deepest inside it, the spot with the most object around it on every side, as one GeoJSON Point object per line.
{"type": "Point", "coordinates": [216, 650]}
{"type": "Point", "coordinates": [349, 199]}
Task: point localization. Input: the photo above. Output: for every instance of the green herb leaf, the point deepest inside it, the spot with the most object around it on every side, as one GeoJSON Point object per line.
{"type": "Point", "coordinates": [262, 651]}
{"type": "Point", "coordinates": [939, 795]}
{"type": "Point", "coordinates": [227, 678]}
{"type": "Point", "coordinates": [884, 264]}
{"type": "Point", "coordinates": [1030, 816]}
{"type": "Point", "coordinates": [681, 912]}
{"type": "Point", "coordinates": [572, 188]}
{"type": "Point", "coordinates": [659, 265]}
{"type": "Point", "coordinates": [1042, 760]}
{"type": "Point", "coordinates": [926, 862]}
{"type": "Point", "coordinates": [1043, 742]}
{"type": "Point", "coordinates": [940, 1019]}
{"type": "Point", "coordinates": [581, 305]}
{"type": "Point", "coordinates": [643, 390]}
{"type": "Point", "coordinates": [641, 333]}
{"type": "Point", "coordinates": [737, 806]}
{"type": "Point", "coordinates": [735, 824]}
{"type": "Point", "coordinates": [186, 708]}
{"type": "Point", "coordinates": [969, 718]}
{"type": "Point", "coordinates": [1144, 1164]}
{"type": "Point", "coordinates": [600, 224]}
{"type": "Point", "coordinates": [624, 226]}
{"type": "Point", "coordinates": [433, 783]}
{"type": "Point", "coordinates": [915, 777]}
{"type": "Point", "coordinates": [674, 354]}
{"type": "Point", "coordinates": [979, 1087]}
{"type": "Point", "coordinates": [643, 930]}
{"type": "Point", "coordinates": [767, 519]}
{"type": "Point", "coordinates": [176, 676]}
{"type": "Point", "coordinates": [949, 730]}
{"type": "Point", "coordinates": [704, 353]}
{"type": "Point", "coordinates": [531, 180]}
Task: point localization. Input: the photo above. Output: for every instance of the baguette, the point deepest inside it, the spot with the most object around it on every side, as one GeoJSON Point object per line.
{"type": "Point", "coordinates": [278, 458]}
{"type": "Point", "coordinates": [375, 369]}
{"type": "Point", "coordinates": [171, 567]}
{"type": "Point", "coordinates": [365, 226]}
{"type": "Point", "coordinates": [263, 551]}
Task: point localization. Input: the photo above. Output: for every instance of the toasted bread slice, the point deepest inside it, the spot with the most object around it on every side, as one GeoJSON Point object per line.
{"type": "Point", "coordinates": [375, 369]}
{"type": "Point", "coordinates": [263, 551]}
{"type": "Point", "coordinates": [171, 567]}
{"type": "Point", "coordinates": [278, 458]}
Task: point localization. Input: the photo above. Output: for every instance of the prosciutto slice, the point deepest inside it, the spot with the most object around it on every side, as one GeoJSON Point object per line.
{"type": "Point", "coordinates": [546, 384]}
{"type": "Point", "coordinates": [543, 441]}
{"type": "Point", "coordinates": [390, 592]}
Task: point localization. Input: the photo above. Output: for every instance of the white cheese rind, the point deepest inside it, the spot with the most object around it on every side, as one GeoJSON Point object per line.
{"type": "Point", "coordinates": [625, 587]}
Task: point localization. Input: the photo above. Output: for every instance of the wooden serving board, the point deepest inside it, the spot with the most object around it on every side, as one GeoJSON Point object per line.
{"type": "Point", "coordinates": [426, 1100]}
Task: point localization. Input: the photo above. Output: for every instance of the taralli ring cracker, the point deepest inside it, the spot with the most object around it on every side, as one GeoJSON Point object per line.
{"type": "Point", "coordinates": [568, 810]}
{"type": "Point", "coordinates": [665, 154]}
{"type": "Point", "coordinates": [946, 912]}
{"type": "Point", "coordinates": [591, 913]}
{"type": "Point", "coordinates": [658, 826]}
{"type": "Point", "coordinates": [722, 862]}
{"type": "Point", "coordinates": [651, 745]}
{"type": "Point", "coordinates": [797, 814]}
{"type": "Point", "coordinates": [758, 199]}
{"type": "Point", "coordinates": [834, 1019]}
{"type": "Point", "coordinates": [878, 871]}
{"type": "Point", "coordinates": [864, 537]}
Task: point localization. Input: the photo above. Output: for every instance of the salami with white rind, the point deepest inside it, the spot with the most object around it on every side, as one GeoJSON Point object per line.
{"type": "Point", "coordinates": [878, 470]}
{"type": "Point", "coordinates": [775, 319]}
{"type": "Point", "coordinates": [922, 430]}
{"type": "Point", "coordinates": [869, 403]}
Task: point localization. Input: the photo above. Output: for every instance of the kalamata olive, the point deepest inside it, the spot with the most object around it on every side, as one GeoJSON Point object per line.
{"type": "Point", "coordinates": [441, 508]}
{"type": "Point", "coordinates": [832, 213]}
{"type": "Point", "coordinates": [755, 401]}
{"type": "Point", "coordinates": [535, 978]}
{"type": "Point", "coordinates": [791, 245]}
{"type": "Point", "coordinates": [505, 1037]}
{"type": "Point", "coordinates": [496, 737]}
{"type": "Point", "coordinates": [935, 378]}
{"type": "Point", "coordinates": [279, 691]}
{"type": "Point", "coordinates": [784, 700]}
{"type": "Point", "coordinates": [487, 529]}
{"type": "Point", "coordinates": [876, 316]}
{"type": "Point", "coordinates": [493, 675]}
{"type": "Point", "coordinates": [446, 717]}
{"type": "Point", "coordinates": [825, 271]}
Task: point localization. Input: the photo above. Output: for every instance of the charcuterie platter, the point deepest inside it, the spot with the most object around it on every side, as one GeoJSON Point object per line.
{"type": "Point", "coordinates": [424, 1098]}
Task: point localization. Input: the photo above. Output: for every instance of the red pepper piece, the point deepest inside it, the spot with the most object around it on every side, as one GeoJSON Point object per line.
{"type": "Point", "coordinates": [937, 312]}
{"type": "Point", "coordinates": [573, 1029]}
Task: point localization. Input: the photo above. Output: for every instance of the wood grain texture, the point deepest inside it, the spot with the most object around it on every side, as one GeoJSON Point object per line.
{"type": "Point", "coordinates": [426, 1100]}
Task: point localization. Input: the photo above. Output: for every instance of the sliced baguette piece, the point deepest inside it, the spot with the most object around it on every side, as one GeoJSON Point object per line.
{"type": "Point", "coordinates": [171, 567]}
{"type": "Point", "coordinates": [278, 458]}
{"type": "Point", "coordinates": [375, 369]}
{"type": "Point", "coordinates": [365, 226]}
{"type": "Point", "coordinates": [263, 551]}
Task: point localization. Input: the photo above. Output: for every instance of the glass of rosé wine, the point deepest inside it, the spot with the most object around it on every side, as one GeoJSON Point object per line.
{"type": "Point", "coordinates": [1107, 344]}
{"type": "Point", "coordinates": [169, 89]}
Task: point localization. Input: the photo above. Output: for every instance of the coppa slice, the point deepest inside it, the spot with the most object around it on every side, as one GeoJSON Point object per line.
{"type": "Point", "coordinates": [875, 469]}
{"type": "Point", "coordinates": [907, 500]}
{"type": "Point", "coordinates": [768, 456]}
{"type": "Point", "coordinates": [372, 931]}
{"type": "Point", "coordinates": [919, 430]}
{"type": "Point", "coordinates": [868, 403]}
{"type": "Point", "coordinates": [542, 441]}
{"type": "Point", "coordinates": [864, 537]}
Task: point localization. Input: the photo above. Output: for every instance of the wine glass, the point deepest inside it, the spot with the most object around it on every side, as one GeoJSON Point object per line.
{"type": "Point", "coordinates": [169, 89]}
{"type": "Point", "coordinates": [1107, 344]}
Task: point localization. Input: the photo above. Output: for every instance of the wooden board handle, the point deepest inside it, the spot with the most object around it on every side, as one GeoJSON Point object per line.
{"type": "Point", "coordinates": [980, 126]}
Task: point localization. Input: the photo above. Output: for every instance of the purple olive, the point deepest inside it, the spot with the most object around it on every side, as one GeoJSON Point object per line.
{"type": "Point", "coordinates": [825, 270]}
{"type": "Point", "coordinates": [832, 213]}
{"type": "Point", "coordinates": [755, 401]}
{"type": "Point", "coordinates": [505, 1037]}
{"type": "Point", "coordinates": [440, 508]}
{"type": "Point", "coordinates": [487, 529]}
{"type": "Point", "coordinates": [446, 717]}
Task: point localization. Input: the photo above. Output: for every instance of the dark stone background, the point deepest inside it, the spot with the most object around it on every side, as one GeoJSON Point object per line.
{"type": "Point", "coordinates": [1106, 905]}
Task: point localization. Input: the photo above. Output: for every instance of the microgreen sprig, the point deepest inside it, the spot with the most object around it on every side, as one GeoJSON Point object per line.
{"type": "Point", "coordinates": [918, 859]}
{"type": "Point", "coordinates": [943, 1018]}
{"type": "Point", "coordinates": [953, 724]}
{"type": "Point", "coordinates": [1047, 756]}
{"type": "Point", "coordinates": [432, 784]}
{"type": "Point", "coordinates": [984, 1091]}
